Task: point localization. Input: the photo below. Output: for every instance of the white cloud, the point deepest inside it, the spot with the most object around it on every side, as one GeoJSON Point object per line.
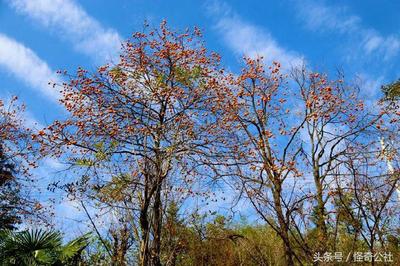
{"type": "Point", "coordinates": [24, 64]}
{"type": "Point", "coordinates": [320, 17]}
{"type": "Point", "coordinates": [370, 89]}
{"type": "Point", "coordinates": [387, 46]}
{"type": "Point", "coordinates": [72, 22]}
{"type": "Point", "coordinates": [370, 85]}
{"type": "Point", "coordinates": [69, 208]}
{"type": "Point", "coordinates": [53, 164]}
{"type": "Point", "coordinates": [372, 43]}
{"type": "Point", "coordinates": [31, 122]}
{"type": "Point", "coordinates": [247, 39]}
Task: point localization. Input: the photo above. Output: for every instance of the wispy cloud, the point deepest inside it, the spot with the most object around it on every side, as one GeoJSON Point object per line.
{"type": "Point", "coordinates": [70, 21]}
{"type": "Point", "coordinates": [31, 122]}
{"type": "Point", "coordinates": [245, 38]}
{"type": "Point", "coordinates": [25, 65]}
{"type": "Point", "coordinates": [320, 17]}
{"type": "Point", "coordinates": [370, 88]}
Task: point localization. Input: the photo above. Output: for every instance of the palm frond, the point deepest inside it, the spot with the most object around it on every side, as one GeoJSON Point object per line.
{"type": "Point", "coordinates": [74, 247]}
{"type": "Point", "coordinates": [38, 240]}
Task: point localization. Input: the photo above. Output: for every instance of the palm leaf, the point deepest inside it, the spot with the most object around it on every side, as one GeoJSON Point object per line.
{"type": "Point", "coordinates": [34, 247]}
{"type": "Point", "coordinates": [39, 247]}
{"type": "Point", "coordinates": [38, 239]}
{"type": "Point", "coordinates": [74, 248]}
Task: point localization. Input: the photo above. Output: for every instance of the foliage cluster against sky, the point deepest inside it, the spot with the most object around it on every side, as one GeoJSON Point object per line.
{"type": "Point", "coordinates": [359, 40]}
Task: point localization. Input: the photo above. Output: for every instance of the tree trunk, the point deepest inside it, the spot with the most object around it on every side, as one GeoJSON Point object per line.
{"type": "Point", "coordinates": [121, 245]}
{"type": "Point", "coordinates": [283, 226]}
{"type": "Point", "coordinates": [157, 224]}
{"type": "Point", "coordinates": [144, 255]}
{"type": "Point", "coordinates": [320, 215]}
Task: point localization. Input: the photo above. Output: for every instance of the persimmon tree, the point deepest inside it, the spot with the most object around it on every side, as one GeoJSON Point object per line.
{"type": "Point", "coordinates": [366, 192]}
{"type": "Point", "coordinates": [335, 119]}
{"type": "Point", "coordinates": [287, 135]}
{"type": "Point", "coordinates": [15, 162]}
{"type": "Point", "coordinates": [134, 124]}
{"type": "Point", "coordinates": [367, 187]}
{"type": "Point", "coordinates": [256, 121]}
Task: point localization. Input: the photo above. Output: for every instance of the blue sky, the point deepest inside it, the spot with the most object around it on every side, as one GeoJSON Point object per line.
{"type": "Point", "coordinates": [38, 37]}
